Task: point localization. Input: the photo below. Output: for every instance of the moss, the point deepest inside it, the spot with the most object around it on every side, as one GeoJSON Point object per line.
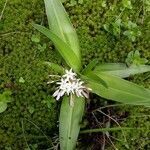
{"type": "Point", "coordinates": [138, 137]}
{"type": "Point", "coordinates": [20, 57]}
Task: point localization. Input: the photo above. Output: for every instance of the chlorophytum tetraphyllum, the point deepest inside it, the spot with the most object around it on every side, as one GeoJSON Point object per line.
{"type": "Point", "coordinates": [105, 80]}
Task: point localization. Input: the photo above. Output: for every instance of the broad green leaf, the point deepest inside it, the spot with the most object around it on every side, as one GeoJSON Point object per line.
{"type": "Point", "coordinates": [3, 106]}
{"type": "Point", "coordinates": [110, 66]}
{"type": "Point", "coordinates": [121, 90]}
{"type": "Point", "coordinates": [64, 49]}
{"type": "Point", "coordinates": [121, 70]}
{"type": "Point", "coordinates": [90, 76]}
{"type": "Point", "coordinates": [90, 66]}
{"type": "Point", "coordinates": [60, 24]}
{"type": "Point", "coordinates": [69, 122]}
{"type": "Point", "coordinates": [55, 67]}
{"type": "Point", "coordinates": [5, 96]}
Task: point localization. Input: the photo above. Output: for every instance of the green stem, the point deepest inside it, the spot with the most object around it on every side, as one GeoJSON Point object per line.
{"type": "Point", "coordinates": [106, 129]}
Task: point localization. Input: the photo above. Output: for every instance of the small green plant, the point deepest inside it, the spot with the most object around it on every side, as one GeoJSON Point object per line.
{"type": "Point", "coordinates": [132, 31]}
{"type": "Point", "coordinates": [114, 28]}
{"type": "Point", "coordinates": [36, 39]}
{"type": "Point", "coordinates": [127, 4]}
{"type": "Point", "coordinates": [75, 82]}
{"type": "Point", "coordinates": [21, 80]}
{"type": "Point", "coordinates": [134, 58]}
{"type": "Point", "coordinates": [5, 98]}
{"type": "Point", "coordinates": [146, 5]}
{"type": "Point", "coordinates": [126, 28]}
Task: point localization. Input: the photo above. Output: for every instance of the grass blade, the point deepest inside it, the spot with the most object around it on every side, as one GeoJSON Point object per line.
{"type": "Point", "coordinates": [104, 130]}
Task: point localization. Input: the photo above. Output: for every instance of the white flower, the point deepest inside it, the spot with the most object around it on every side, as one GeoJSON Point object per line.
{"type": "Point", "coordinates": [69, 75]}
{"type": "Point", "coordinates": [70, 85]}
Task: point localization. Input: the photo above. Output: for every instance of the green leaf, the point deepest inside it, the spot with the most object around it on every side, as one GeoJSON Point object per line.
{"type": "Point", "coordinates": [104, 3]}
{"type": "Point", "coordinates": [81, 1]}
{"type": "Point", "coordinates": [61, 26]}
{"type": "Point", "coordinates": [90, 66]}
{"type": "Point", "coordinates": [41, 47]}
{"type": "Point", "coordinates": [31, 109]}
{"type": "Point", "coordinates": [55, 67]}
{"type": "Point", "coordinates": [35, 38]}
{"type": "Point", "coordinates": [69, 122]}
{"type": "Point", "coordinates": [3, 106]}
{"type": "Point", "coordinates": [90, 76]}
{"type": "Point", "coordinates": [73, 3]}
{"type": "Point", "coordinates": [110, 67]}
{"type": "Point", "coordinates": [121, 70]}
{"type": "Point", "coordinates": [127, 4]}
{"type": "Point", "coordinates": [130, 34]}
{"type": "Point", "coordinates": [5, 96]}
{"type": "Point", "coordinates": [21, 80]}
{"type": "Point", "coordinates": [121, 90]}
{"type": "Point", "coordinates": [64, 49]}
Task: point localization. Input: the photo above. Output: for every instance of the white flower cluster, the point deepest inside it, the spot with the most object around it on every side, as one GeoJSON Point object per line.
{"type": "Point", "coordinates": [70, 85]}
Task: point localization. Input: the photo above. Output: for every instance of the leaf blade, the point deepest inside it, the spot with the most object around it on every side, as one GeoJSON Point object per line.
{"type": "Point", "coordinates": [121, 91]}
{"type": "Point", "coordinates": [93, 77]}
{"type": "Point", "coordinates": [60, 24]}
{"type": "Point", "coordinates": [65, 50]}
{"type": "Point", "coordinates": [90, 66]}
{"type": "Point", "coordinates": [121, 70]}
{"type": "Point", "coordinates": [69, 122]}
{"type": "Point", "coordinates": [3, 106]}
